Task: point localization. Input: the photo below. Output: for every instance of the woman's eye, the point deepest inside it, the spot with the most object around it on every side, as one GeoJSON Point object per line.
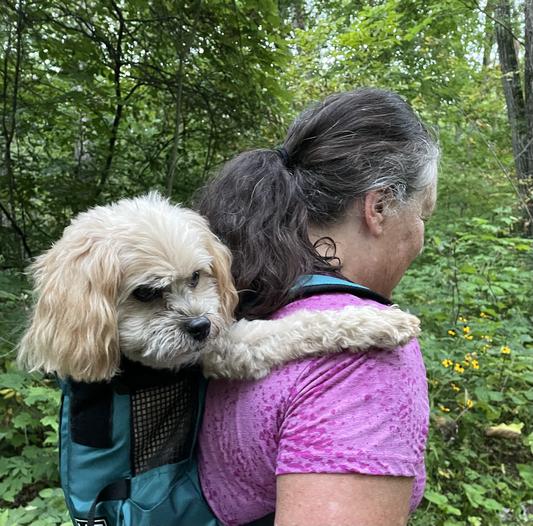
{"type": "Point", "coordinates": [145, 293]}
{"type": "Point", "coordinates": [194, 279]}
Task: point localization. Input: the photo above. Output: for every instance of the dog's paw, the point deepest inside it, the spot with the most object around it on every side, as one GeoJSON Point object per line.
{"type": "Point", "coordinates": [399, 328]}
{"type": "Point", "coordinates": [360, 328]}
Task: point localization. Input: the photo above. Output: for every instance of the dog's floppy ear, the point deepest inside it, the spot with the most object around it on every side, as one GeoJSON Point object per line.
{"type": "Point", "coordinates": [74, 329]}
{"type": "Point", "coordinates": [222, 272]}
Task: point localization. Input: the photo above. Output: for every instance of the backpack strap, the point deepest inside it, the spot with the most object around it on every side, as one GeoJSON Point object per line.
{"type": "Point", "coordinates": [118, 490]}
{"type": "Point", "coordinates": [312, 284]}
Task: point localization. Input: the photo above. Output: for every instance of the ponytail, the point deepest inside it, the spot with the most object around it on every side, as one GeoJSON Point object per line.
{"type": "Point", "coordinates": [256, 207]}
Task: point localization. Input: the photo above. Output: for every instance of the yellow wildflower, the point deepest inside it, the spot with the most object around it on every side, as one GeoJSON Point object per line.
{"type": "Point", "coordinates": [469, 337]}
{"type": "Point", "coordinates": [455, 387]}
{"type": "Point", "coordinates": [458, 368]}
{"type": "Point", "coordinates": [505, 350]}
{"type": "Point", "coordinates": [483, 315]}
{"type": "Point", "coordinates": [474, 364]}
{"type": "Point", "coordinates": [447, 362]}
{"type": "Point", "coordinates": [444, 409]}
{"type": "Point", "coordinates": [469, 404]}
{"type": "Point", "coordinates": [462, 319]}
{"type": "Point", "coordinates": [468, 357]}
{"type": "Point", "coordinates": [466, 329]}
{"type": "Point", "coordinates": [452, 333]}
{"type": "Point", "coordinates": [446, 473]}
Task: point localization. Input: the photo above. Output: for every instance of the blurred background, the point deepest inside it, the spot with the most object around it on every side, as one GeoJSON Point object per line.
{"type": "Point", "coordinates": [102, 99]}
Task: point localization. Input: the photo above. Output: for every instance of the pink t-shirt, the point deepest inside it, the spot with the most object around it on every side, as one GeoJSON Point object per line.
{"type": "Point", "coordinates": [362, 412]}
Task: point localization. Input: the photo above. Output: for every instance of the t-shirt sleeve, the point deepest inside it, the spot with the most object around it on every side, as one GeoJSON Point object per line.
{"type": "Point", "coordinates": [361, 413]}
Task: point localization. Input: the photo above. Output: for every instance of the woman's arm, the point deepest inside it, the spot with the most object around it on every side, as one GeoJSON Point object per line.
{"type": "Point", "coordinates": [339, 499]}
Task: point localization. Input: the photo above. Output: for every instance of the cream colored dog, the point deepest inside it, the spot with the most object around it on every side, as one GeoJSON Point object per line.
{"type": "Point", "coordinates": [149, 279]}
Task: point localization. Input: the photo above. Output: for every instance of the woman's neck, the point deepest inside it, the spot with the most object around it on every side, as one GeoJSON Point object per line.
{"type": "Point", "coordinates": [362, 256]}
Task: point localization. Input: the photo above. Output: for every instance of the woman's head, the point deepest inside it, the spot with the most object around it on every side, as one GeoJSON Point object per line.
{"type": "Point", "coordinates": [264, 203]}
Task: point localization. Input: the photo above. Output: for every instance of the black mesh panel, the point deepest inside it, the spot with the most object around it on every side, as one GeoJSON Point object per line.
{"type": "Point", "coordinates": [163, 421]}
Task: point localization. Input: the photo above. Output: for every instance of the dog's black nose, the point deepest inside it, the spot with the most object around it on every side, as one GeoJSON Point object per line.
{"type": "Point", "coordinates": [198, 328]}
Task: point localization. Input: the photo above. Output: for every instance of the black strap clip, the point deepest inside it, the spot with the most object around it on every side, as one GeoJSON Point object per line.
{"type": "Point", "coordinates": [118, 490]}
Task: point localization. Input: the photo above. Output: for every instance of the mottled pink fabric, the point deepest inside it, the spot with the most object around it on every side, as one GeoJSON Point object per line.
{"type": "Point", "coordinates": [364, 412]}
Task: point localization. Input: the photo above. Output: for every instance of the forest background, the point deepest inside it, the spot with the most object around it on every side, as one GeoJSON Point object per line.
{"type": "Point", "coordinates": [109, 98]}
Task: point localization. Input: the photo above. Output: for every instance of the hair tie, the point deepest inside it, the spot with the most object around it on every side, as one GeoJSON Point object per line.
{"type": "Point", "coordinates": [283, 154]}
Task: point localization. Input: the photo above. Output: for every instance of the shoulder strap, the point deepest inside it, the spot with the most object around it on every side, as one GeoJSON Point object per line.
{"type": "Point", "coordinates": [312, 284]}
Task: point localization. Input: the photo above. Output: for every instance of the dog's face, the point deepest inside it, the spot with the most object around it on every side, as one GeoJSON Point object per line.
{"type": "Point", "coordinates": [140, 277]}
{"type": "Point", "coordinates": [169, 307]}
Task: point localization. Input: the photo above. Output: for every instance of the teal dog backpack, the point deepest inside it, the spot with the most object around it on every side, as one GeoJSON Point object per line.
{"type": "Point", "coordinates": [128, 446]}
{"type": "Point", "coordinates": [127, 449]}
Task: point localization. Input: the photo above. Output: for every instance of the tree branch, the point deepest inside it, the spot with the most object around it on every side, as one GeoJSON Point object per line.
{"type": "Point", "coordinates": [116, 55]}
{"type": "Point", "coordinates": [17, 229]}
{"type": "Point", "coordinates": [475, 5]}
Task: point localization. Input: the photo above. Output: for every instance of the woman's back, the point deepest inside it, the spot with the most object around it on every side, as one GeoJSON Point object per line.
{"type": "Point", "coordinates": [352, 412]}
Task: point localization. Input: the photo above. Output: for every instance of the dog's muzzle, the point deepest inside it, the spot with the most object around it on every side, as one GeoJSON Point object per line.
{"type": "Point", "coordinates": [198, 328]}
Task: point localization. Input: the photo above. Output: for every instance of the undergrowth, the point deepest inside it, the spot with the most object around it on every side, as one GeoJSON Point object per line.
{"type": "Point", "coordinates": [471, 287]}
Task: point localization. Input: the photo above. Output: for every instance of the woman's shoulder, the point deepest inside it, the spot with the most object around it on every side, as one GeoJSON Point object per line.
{"type": "Point", "coordinates": [347, 412]}
{"type": "Point", "coordinates": [337, 301]}
{"type": "Point", "coordinates": [326, 301]}
{"type": "Point", "coordinates": [337, 374]}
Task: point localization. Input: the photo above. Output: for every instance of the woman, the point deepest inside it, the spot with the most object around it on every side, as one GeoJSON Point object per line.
{"type": "Point", "coordinates": [336, 440]}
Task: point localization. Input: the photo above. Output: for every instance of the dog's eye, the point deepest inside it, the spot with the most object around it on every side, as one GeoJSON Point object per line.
{"type": "Point", "coordinates": [146, 293]}
{"type": "Point", "coordinates": [194, 279]}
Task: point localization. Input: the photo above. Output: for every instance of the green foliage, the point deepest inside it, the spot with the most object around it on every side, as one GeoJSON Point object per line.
{"type": "Point", "coordinates": [28, 427]}
{"type": "Point", "coordinates": [47, 509]}
{"type": "Point", "coordinates": [472, 290]}
{"type": "Point", "coordinates": [106, 99]}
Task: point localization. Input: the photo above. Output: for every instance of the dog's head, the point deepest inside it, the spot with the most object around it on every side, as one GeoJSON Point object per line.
{"type": "Point", "coordinates": [140, 277]}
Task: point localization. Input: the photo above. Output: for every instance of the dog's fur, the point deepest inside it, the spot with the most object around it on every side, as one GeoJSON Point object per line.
{"type": "Point", "coordinates": [149, 279]}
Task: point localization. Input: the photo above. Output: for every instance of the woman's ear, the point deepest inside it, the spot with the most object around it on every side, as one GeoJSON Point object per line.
{"type": "Point", "coordinates": [374, 209]}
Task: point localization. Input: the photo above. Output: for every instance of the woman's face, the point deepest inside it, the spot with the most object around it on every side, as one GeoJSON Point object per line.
{"type": "Point", "coordinates": [405, 235]}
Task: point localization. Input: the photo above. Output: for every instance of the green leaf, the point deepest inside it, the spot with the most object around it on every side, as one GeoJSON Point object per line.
{"type": "Point", "coordinates": [23, 420]}
{"type": "Point", "coordinates": [491, 504]}
{"type": "Point", "coordinates": [437, 498]}
{"type": "Point", "coordinates": [12, 381]}
{"type": "Point", "coordinates": [8, 296]}
{"type": "Point", "coordinates": [46, 493]}
{"type": "Point", "coordinates": [526, 472]}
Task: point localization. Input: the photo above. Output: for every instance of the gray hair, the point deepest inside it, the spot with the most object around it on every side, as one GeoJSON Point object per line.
{"type": "Point", "coordinates": [356, 142]}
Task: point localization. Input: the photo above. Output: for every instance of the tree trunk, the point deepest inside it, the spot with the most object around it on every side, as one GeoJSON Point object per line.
{"type": "Point", "coordinates": [177, 128]}
{"type": "Point", "coordinates": [516, 103]}
{"type": "Point", "coordinates": [184, 53]}
{"type": "Point", "coordinates": [528, 89]}
{"type": "Point", "coordinates": [116, 55]}
{"type": "Point", "coordinates": [488, 36]}
{"type": "Point", "coordinates": [9, 124]}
